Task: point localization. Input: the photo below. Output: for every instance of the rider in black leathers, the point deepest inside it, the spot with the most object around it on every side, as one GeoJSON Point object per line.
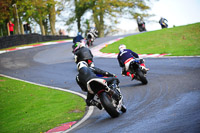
{"type": "Point", "coordinates": [84, 54]}
{"type": "Point", "coordinates": [87, 73]}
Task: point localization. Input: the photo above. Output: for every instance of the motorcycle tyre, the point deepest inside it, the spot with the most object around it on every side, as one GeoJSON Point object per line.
{"type": "Point", "coordinates": [106, 101]}
{"type": "Point", "coordinates": [142, 78]}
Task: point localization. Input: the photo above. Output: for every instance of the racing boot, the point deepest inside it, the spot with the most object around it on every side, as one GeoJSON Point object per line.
{"type": "Point", "coordinates": [131, 75]}
{"type": "Point", "coordinates": [143, 68]}
{"type": "Point", "coordinates": [123, 72]}
{"type": "Point", "coordinates": [97, 104]}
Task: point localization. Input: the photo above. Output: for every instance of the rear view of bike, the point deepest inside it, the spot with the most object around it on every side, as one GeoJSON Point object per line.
{"type": "Point", "coordinates": [89, 40]}
{"type": "Point", "coordinates": [139, 73]}
{"type": "Point", "coordinates": [110, 97]}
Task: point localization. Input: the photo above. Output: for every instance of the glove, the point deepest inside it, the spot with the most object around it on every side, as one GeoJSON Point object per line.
{"type": "Point", "coordinates": [113, 75]}
{"type": "Point", "coordinates": [137, 61]}
{"type": "Point", "coordinates": [110, 75]}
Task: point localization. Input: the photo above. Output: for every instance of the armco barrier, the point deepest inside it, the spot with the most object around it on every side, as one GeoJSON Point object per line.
{"type": "Point", "coordinates": [15, 40]}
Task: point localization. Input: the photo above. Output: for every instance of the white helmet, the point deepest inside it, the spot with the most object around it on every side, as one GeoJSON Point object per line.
{"type": "Point", "coordinates": [82, 64]}
{"type": "Point", "coordinates": [122, 46]}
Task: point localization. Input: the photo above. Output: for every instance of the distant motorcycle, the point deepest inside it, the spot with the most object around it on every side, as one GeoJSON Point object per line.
{"type": "Point", "coordinates": [141, 27]}
{"type": "Point", "coordinates": [139, 73]}
{"type": "Point", "coordinates": [164, 24]}
{"type": "Point", "coordinates": [90, 40]}
{"type": "Point", "coordinates": [108, 96]}
{"type": "Point", "coordinates": [91, 36]}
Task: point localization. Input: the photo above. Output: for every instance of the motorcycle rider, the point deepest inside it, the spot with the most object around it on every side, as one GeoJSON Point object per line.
{"type": "Point", "coordinates": [163, 22]}
{"type": "Point", "coordinates": [141, 24]}
{"type": "Point", "coordinates": [83, 54]}
{"type": "Point", "coordinates": [125, 57]}
{"type": "Point", "coordinates": [76, 39]}
{"type": "Point", "coordinates": [86, 74]}
{"type": "Point", "coordinates": [92, 34]}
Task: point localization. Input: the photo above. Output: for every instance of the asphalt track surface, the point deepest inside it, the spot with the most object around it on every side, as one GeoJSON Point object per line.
{"type": "Point", "coordinates": [170, 102]}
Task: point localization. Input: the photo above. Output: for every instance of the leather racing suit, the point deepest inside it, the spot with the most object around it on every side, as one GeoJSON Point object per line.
{"type": "Point", "coordinates": [84, 54]}
{"type": "Point", "coordinates": [87, 73]}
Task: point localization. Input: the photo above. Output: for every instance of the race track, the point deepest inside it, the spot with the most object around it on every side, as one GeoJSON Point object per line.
{"type": "Point", "coordinates": [170, 102]}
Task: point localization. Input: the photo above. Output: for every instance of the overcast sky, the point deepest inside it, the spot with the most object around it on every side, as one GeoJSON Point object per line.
{"type": "Point", "coordinates": [177, 12]}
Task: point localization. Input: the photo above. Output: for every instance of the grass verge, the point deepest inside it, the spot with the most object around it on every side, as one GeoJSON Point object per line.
{"type": "Point", "coordinates": [177, 41]}
{"type": "Point", "coordinates": [28, 108]}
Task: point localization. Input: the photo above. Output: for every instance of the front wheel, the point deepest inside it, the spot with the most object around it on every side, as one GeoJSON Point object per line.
{"type": "Point", "coordinates": [109, 105]}
{"type": "Point", "coordinates": [142, 78]}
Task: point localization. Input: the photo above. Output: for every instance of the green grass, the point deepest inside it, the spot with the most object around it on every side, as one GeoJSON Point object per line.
{"type": "Point", "coordinates": [28, 108]}
{"type": "Point", "coordinates": [177, 41]}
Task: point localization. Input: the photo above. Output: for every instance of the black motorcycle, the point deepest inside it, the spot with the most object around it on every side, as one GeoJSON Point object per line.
{"type": "Point", "coordinates": [91, 36]}
{"type": "Point", "coordinates": [136, 69]}
{"type": "Point", "coordinates": [141, 27]}
{"type": "Point", "coordinates": [108, 96]}
{"type": "Point", "coordinates": [90, 40]}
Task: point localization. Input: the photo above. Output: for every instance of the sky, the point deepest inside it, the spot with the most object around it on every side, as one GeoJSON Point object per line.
{"type": "Point", "coordinates": [177, 12]}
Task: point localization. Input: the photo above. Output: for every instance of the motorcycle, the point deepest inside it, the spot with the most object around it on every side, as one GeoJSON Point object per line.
{"type": "Point", "coordinates": [109, 96]}
{"type": "Point", "coordinates": [164, 24]}
{"type": "Point", "coordinates": [142, 27]}
{"type": "Point", "coordinates": [136, 69]}
{"type": "Point", "coordinates": [91, 35]}
{"type": "Point", "coordinates": [89, 40]}
{"type": "Point", "coordinates": [84, 56]}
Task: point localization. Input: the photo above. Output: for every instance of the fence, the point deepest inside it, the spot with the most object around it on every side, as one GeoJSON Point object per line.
{"type": "Point", "coordinates": [15, 40]}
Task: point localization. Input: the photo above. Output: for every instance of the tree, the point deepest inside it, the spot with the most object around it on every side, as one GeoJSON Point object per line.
{"type": "Point", "coordinates": [42, 12]}
{"type": "Point", "coordinates": [52, 6]}
{"type": "Point", "coordinates": [110, 10]}
{"type": "Point", "coordinates": [113, 10]}
{"type": "Point", "coordinates": [80, 7]}
{"type": "Point", "coordinates": [4, 15]}
{"type": "Point", "coordinates": [52, 16]}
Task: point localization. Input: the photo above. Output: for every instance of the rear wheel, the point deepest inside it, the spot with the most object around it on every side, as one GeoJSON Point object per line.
{"type": "Point", "coordinates": [108, 105]}
{"type": "Point", "coordinates": [142, 77]}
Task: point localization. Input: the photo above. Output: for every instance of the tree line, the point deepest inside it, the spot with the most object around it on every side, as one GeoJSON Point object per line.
{"type": "Point", "coordinates": [45, 12]}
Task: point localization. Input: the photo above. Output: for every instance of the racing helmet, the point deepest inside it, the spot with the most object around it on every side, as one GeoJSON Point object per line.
{"type": "Point", "coordinates": [82, 64]}
{"type": "Point", "coordinates": [122, 46]}
{"type": "Point", "coordinates": [79, 33]}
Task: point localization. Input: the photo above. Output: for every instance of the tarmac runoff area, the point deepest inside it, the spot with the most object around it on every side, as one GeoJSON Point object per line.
{"type": "Point", "coordinates": [66, 127]}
